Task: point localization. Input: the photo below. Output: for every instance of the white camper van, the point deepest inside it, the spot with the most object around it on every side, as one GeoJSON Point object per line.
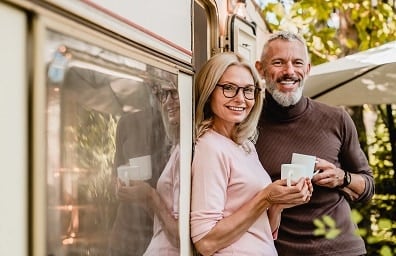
{"type": "Point", "coordinates": [82, 82]}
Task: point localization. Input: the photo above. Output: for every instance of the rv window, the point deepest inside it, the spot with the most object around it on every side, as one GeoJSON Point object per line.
{"type": "Point", "coordinates": [112, 151]}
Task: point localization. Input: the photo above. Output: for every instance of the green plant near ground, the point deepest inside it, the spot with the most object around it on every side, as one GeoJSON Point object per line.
{"type": "Point", "coordinates": [326, 226]}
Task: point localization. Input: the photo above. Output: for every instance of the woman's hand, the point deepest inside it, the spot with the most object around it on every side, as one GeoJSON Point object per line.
{"type": "Point", "coordinates": [298, 193]}
{"type": "Point", "coordinates": [287, 196]}
{"type": "Point", "coordinates": [138, 192]}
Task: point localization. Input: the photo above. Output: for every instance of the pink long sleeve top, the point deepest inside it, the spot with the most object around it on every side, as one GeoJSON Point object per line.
{"type": "Point", "coordinates": [224, 177]}
{"type": "Point", "coordinates": [168, 187]}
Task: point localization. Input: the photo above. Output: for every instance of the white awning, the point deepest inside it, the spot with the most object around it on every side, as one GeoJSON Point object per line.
{"type": "Point", "coordinates": [367, 77]}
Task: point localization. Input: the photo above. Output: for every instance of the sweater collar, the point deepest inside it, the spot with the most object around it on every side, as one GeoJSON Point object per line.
{"type": "Point", "coordinates": [273, 110]}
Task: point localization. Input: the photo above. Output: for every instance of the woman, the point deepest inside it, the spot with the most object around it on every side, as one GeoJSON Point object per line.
{"type": "Point", "coordinates": [162, 202]}
{"type": "Point", "coordinates": [235, 209]}
{"type": "Point", "coordinates": [140, 132]}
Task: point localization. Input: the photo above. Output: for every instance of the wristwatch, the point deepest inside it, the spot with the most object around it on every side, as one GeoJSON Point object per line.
{"type": "Point", "coordinates": [347, 179]}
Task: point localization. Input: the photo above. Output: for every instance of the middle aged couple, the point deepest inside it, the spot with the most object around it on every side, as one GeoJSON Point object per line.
{"type": "Point", "coordinates": [240, 206]}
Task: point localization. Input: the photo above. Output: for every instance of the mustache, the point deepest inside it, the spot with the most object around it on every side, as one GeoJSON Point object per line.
{"type": "Point", "coordinates": [288, 77]}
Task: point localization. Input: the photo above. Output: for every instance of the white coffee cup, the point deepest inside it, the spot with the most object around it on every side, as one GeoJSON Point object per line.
{"type": "Point", "coordinates": [127, 172]}
{"type": "Point", "coordinates": [144, 164]}
{"type": "Point", "coordinates": [293, 172]}
{"type": "Point", "coordinates": [307, 160]}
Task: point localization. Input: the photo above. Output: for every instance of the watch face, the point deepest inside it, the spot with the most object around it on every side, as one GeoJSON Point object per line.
{"type": "Point", "coordinates": [347, 178]}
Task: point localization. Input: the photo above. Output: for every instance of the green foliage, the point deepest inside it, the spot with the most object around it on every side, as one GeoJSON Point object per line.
{"type": "Point", "coordinates": [326, 226]}
{"type": "Point", "coordinates": [361, 26]}
{"type": "Point", "coordinates": [357, 218]}
{"type": "Point", "coordinates": [95, 138]}
{"type": "Point", "coordinates": [381, 237]}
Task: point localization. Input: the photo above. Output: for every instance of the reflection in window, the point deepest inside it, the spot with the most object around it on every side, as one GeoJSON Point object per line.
{"type": "Point", "coordinates": [110, 116]}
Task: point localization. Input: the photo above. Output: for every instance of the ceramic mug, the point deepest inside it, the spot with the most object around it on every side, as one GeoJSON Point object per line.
{"type": "Point", "coordinates": [307, 160]}
{"type": "Point", "coordinates": [292, 172]}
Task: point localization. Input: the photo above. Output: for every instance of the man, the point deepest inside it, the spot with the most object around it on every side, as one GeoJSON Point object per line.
{"type": "Point", "coordinates": [291, 123]}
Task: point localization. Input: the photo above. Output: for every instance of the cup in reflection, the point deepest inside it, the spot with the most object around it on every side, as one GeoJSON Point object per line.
{"type": "Point", "coordinates": [132, 172]}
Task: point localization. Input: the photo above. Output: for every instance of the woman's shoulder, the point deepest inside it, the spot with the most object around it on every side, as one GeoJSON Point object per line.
{"type": "Point", "coordinates": [213, 141]}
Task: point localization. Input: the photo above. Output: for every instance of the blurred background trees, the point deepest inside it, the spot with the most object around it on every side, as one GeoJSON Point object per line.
{"type": "Point", "coordinates": [334, 29]}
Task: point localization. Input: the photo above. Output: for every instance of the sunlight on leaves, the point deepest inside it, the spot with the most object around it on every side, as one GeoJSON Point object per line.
{"type": "Point", "coordinates": [333, 233]}
{"type": "Point", "coordinates": [385, 224]}
{"type": "Point", "coordinates": [356, 216]}
{"type": "Point", "coordinates": [329, 221]}
{"type": "Point", "coordinates": [326, 226]}
{"type": "Point", "coordinates": [386, 251]}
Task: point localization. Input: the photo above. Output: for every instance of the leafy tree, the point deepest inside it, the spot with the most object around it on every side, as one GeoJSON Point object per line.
{"type": "Point", "coordinates": [334, 29]}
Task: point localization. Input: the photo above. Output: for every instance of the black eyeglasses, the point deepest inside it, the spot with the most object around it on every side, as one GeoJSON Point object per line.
{"type": "Point", "coordinates": [163, 95]}
{"type": "Point", "coordinates": [231, 90]}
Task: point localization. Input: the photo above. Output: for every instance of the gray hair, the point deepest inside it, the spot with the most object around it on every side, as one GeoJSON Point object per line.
{"type": "Point", "coordinates": [285, 36]}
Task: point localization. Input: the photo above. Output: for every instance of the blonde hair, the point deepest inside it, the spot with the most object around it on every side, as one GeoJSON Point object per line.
{"type": "Point", "coordinates": [205, 84]}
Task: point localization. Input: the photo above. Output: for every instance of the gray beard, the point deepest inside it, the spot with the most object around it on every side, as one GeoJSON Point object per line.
{"type": "Point", "coordinates": [286, 100]}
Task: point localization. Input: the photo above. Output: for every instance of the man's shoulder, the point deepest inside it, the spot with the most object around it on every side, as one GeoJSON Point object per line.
{"type": "Point", "coordinates": [324, 108]}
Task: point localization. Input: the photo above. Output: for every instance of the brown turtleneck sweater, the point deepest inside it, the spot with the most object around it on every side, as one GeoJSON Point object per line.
{"type": "Point", "coordinates": [329, 133]}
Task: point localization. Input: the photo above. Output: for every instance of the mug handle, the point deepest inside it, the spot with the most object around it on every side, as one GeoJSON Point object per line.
{"type": "Point", "coordinates": [289, 176]}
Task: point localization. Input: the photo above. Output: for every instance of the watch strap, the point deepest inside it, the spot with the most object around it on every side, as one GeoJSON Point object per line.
{"type": "Point", "coordinates": [347, 179]}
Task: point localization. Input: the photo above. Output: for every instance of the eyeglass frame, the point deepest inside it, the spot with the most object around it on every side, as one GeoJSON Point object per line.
{"type": "Point", "coordinates": [256, 90]}
{"type": "Point", "coordinates": [164, 94]}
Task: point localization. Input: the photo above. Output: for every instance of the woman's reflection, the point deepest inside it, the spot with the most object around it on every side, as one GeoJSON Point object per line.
{"type": "Point", "coordinates": [139, 133]}
{"type": "Point", "coordinates": [161, 202]}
